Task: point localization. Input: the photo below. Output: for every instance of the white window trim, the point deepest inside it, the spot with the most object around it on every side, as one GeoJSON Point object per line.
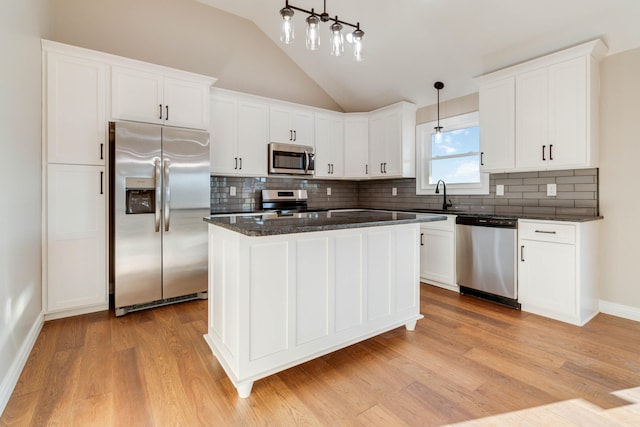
{"type": "Point", "coordinates": [423, 143]}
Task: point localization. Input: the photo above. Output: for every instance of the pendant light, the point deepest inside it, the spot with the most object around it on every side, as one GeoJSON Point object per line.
{"type": "Point", "coordinates": [337, 40]}
{"type": "Point", "coordinates": [313, 32]}
{"type": "Point", "coordinates": [438, 86]}
{"type": "Point", "coordinates": [286, 30]}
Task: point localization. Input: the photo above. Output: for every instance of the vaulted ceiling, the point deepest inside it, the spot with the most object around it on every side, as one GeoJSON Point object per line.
{"type": "Point", "coordinates": [410, 44]}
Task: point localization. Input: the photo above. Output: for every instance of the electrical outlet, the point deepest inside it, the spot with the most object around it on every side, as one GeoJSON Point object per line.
{"type": "Point", "coordinates": [394, 191]}
{"type": "Point", "coordinates": [232, 191]}
{"type": "Point", "coordinates": [328, 191]}
{"type": "Point", "coordinates": [551, 190]}
{"type": "Point", "coordinates": [499, 190]}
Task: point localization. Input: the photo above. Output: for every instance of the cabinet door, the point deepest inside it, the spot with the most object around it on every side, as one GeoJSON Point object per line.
{"type": "Point", "coordinates": [329, 146]}
{"type": "Point", "coordinates": [291, 126]}
{"type": "Point", "coordinates": [303, 128]}
{"type": "Point", "coordinates": [356, 147]}
{"type": "Point", "coordinates": [568, 113]}
{"type": "Point", "coordinates": [377, 151]}
{"type": "Point", "coordinates": [437, 256]}
{"type": "Point", "coordinates": [497, 125]}
{"type": "Point", "coordinates": [186, 103]}
{"type": "Point", "coordinates": [385, 144]}
{"type": "Point", "coordinates": [547, 277]}
{"type": "Point", "coordinates": [323, 146]}
{"type": "Point", "coordinates": [75, 110]}
{"type": "Point", "coordinates": [280, 125]}
{"type": "Point", "coordinates": [136, 95]}
{"type": "Point", "coordinates": [76, 237]}
{"type": "Point", "coordinates": [223, 136]}
{"type": "Point", "coordinates": [253, 138]}
{"type": "Point", "coordinates": [532, 119]}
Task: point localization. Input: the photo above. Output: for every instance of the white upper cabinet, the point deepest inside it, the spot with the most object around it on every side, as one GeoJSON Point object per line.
{"type": "Point", "coordinates": [75, 109]}
{"type": "Point", "coordinates": [392, 133]}
{"type": "Point", "coordinates": [497, 130]}
{"type": "Point", "coordinates": [356, 145]}
{"type": "Point", "coordinates": [291, 125]}
{"type": "Point", "coordinates": [329, 140]}
{"type": "Point", "coordinates": [151, 96]}
{"type": "Point", "coordinates": [552, 112]}
{"type": "Point", "coordinates": [239, 134]}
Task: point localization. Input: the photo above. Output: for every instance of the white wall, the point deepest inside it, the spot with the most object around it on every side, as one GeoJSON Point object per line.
{"type": "Point", "coordinates": [192, 36]}
{"type": "Point", "coordinates": [620, 180]}
{"type": "Point", "coordinates": [21, 25]}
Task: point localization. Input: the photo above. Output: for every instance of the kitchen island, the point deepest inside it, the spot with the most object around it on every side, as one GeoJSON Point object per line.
{"type": "Point", "coordinates": [287, 288]}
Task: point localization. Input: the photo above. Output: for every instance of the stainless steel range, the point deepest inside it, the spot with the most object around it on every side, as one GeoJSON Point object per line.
{"type": "Point", "coordinates": [284, 200]}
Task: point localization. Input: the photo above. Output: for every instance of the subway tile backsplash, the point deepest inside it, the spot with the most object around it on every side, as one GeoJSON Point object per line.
{"type": "Point", "coordinates": [524, 193]}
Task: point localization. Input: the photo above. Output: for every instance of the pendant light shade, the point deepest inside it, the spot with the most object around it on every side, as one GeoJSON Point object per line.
{"type": "Point", "coordinates": [286, 31]}
{"type": "Point", "coordinates": [337, 39]}
{"type": "Point", "coordinates": [357, 36]}
{"type": "Point", "coordinates": [313, 32]}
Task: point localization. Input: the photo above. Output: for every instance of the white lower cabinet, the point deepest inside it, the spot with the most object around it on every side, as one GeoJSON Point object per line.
{"type": "Point", "coordinates": [277, 301]}
{"type": "Point", "coordinates": [557, 269]}
{"type": "Point", "coordinates": [438, 253]}
{"type": "Point", "coordinates": [76, 239]}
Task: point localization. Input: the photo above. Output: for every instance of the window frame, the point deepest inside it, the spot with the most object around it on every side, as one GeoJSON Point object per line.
{"type": "Point", "coordinates": [424, 132]}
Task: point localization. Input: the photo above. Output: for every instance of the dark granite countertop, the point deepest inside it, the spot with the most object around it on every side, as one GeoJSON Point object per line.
{"type": "Point", "coordinates": [269, 224]}
{"type": "Point", "coordinates": [544, 217]}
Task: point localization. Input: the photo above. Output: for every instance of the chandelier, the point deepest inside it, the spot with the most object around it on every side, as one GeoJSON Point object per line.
{"type": "Point", "coordinates": [313, 32]}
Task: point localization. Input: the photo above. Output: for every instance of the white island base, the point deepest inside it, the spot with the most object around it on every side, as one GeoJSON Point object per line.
{"type": "Point", "coordinates": [278, 301]}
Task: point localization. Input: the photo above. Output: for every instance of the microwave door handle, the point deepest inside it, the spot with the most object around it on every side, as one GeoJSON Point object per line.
{"type": "Point", "coordinates": [306, 161]}
{"type": "Point", "coordinates": [156, 177]}
{"type": "Point", "coordinates": [167, 196]}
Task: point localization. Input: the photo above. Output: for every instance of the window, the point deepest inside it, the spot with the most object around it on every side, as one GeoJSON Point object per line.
{"type": "Point", "coordinates": [452, 156]}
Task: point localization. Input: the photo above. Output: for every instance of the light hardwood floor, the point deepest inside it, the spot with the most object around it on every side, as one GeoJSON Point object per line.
{"type": "Point", "coordinates": [467, 359]}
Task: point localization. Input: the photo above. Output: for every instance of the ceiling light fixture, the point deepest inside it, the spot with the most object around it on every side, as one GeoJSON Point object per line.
{"type": "Point", "coordinates": [438, 86]}
{"type": "Point", "coordinates": [313, 31]}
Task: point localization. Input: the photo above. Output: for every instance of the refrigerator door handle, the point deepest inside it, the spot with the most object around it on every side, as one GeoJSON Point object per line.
{"type": "Point", "coordinates": [158, 193]}
{"type": "Point", "coordinates": [167, 196]}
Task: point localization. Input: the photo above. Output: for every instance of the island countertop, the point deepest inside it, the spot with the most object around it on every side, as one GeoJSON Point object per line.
{"type": "Point", "coordinates": [274, 223]}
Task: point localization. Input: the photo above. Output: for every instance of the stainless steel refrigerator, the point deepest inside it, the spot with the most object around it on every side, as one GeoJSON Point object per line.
{"type": "Point", "coordinates": [159, 194]}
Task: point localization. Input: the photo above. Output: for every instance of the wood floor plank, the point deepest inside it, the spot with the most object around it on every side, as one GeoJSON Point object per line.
{"type": "Point", "coordinates": [467, 359]}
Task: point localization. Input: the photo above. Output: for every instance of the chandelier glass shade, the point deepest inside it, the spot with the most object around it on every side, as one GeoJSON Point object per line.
{"type": "Point", "coordinates": [336, 40]}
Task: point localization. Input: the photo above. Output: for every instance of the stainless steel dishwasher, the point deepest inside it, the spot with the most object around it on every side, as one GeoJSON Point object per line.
{"type": "Point", "coordinates": [486, 263]}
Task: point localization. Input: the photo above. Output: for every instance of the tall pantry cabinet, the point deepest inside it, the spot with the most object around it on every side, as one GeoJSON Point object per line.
{"type": "Point", "coordinates": [79, 99]}
{"type": "Point", "coordinates": [75, 196]}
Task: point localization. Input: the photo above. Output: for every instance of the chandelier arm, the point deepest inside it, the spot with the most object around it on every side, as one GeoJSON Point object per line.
{"type": "Point", "coordinates": [309, 12]}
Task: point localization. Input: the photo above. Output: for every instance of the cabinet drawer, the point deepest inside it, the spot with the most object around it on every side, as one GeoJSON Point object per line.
{"type": "Point", "coordinates": [547, 231]}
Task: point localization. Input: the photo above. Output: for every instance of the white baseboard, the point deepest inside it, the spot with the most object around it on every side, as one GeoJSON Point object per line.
{"type": "Point", "coordinates": [10, 381]}
{"type": "Point", "coordinates": [619, 310]}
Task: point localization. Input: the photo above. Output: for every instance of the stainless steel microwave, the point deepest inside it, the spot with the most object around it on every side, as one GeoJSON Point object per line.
{"type": "Point", "coordinates": [291, 159]}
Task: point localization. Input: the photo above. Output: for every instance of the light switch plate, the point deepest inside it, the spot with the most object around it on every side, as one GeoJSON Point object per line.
{"type": "Point", "coordinates": [328, 191]}
{"type": "Point", "coordinates": [394, 191]}
{"type": "Point", "coordinates": [232, 191]}
{"type": "Point", "coordinates": [551, 190]}
{"type": "Point", "coordinates": [499, 190]}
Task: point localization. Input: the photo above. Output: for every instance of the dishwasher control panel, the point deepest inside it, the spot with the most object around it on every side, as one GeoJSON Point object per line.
{"type": "Point", "coordinates": [487, 221]}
